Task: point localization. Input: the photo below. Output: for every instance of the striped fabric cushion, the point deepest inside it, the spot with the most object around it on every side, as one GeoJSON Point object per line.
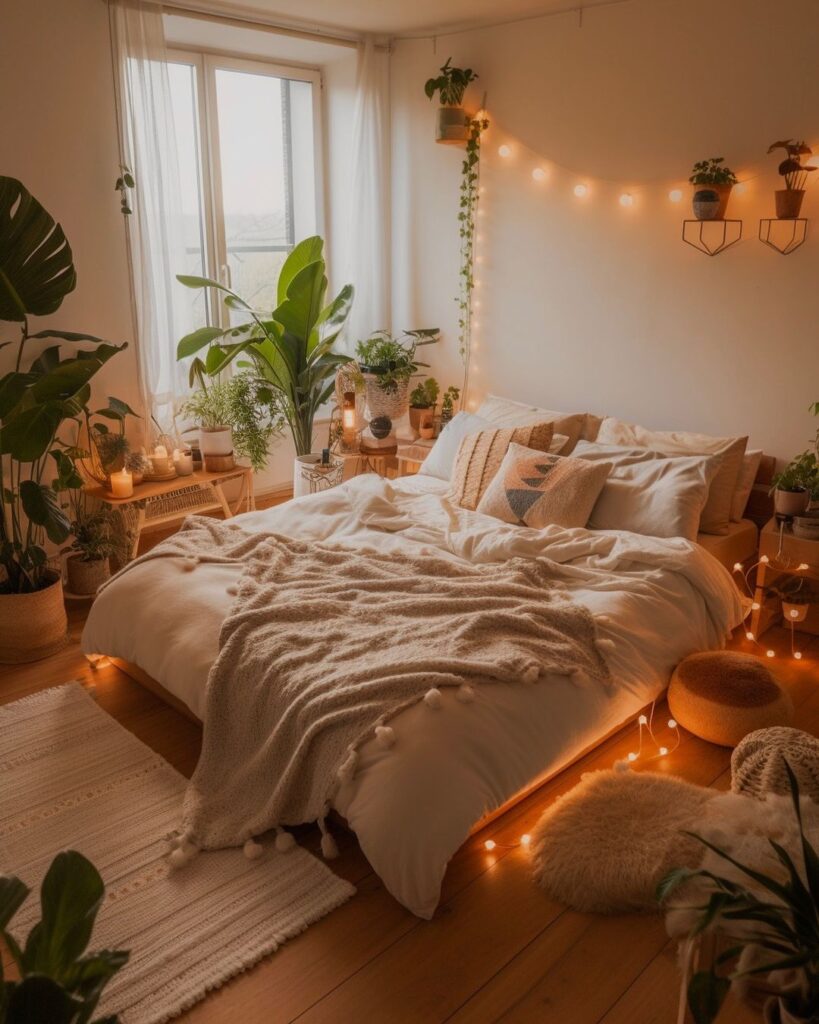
{"type": "Point", "coordinates": [480, 456]}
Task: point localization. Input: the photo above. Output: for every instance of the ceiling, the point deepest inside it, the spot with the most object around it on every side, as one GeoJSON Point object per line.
{"type": "Point", "coordinates": [402, 17]}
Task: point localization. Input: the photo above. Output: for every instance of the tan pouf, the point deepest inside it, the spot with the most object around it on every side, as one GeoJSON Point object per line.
{"type": "Point", "coordinates": [721, 696]}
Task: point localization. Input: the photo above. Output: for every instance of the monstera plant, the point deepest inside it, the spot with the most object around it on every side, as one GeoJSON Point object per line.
{"type": "Point", "coordinates": [45, 386]}
{"type": "Point", "coordinates": [288, 349]}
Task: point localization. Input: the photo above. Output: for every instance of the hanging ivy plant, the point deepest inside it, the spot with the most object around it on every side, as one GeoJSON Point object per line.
{"type": "Point", "coordinates": [468, 207]}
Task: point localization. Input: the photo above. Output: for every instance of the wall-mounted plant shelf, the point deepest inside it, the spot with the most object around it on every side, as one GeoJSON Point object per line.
{"type": "Point", "coordinates": [785, 239]}
{"type": "Point", "coordinates": [711, 236]}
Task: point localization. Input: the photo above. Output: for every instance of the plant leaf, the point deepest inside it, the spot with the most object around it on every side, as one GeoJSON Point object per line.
{"type": "Point", "coordinates": [192, 342]}
{"type": "Point", "coordinates": [309, 250]}
{"type": "Point", "coordinates": [706, 994]}
{"type": "Point", "coordinates": [41, 506]}
{"type": "Point", "coordinates": [27, 435]}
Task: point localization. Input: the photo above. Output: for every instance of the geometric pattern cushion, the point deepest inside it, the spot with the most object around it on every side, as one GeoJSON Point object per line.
{"type": "Point", "coordinates": [480, 456]}
{"type": "Point", "coordinates": [539, 489]}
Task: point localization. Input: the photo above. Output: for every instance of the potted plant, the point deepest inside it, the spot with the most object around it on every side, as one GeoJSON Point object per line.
{"type": "Point", "coordinates": [97, 539]}
{"type": "Point", "coordinates": [770, 922]}
{"type": "Point", "coordinates": [795, 485]}
{"type": "Point", "coordinates": [58, 981]}
{"type": "Point", "coordinates": [290, 350]}
{"type": "Point", "coordinates": [238, 414]}
{"type": "Point", "coordinates": [789, 199]}
{"type": "Point", "coordinates": [452, 124]}
{"type": "Point", "coordinates": [138, 465]}
{"type": "Point", "coordinates": [451, 396]}
{"type": "Point", "coordinates": [712, 175]}
{"type": "Point", "coordinates": [48, 388]}
{"type": "Point", "coordinates": [796, 594]}
{"type": "Point", "coordinates": [387, 364]}
{"type": "Point", "coordinates": [422, 402]}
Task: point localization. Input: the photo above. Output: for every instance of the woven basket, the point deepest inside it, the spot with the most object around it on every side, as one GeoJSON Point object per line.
{"type": "Point", "coordinates": [385, 403]}
{"type": "Point", "coordinates": [85, 578]}
{"type": "Point", "coordinates": [32, 626]}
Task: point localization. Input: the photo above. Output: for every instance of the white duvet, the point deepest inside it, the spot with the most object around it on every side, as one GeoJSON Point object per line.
{"type": "Point", "coordinates": [413, 805]}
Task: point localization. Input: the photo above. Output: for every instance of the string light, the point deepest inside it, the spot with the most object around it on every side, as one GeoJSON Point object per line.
{"type": "Point", "coordinates": [490, 845]}
{"type": "Point", "coordinates": [749, 635]}
{"type": "Point", "coordinates": [675, 195]}
{"type": "Point", "coordinates": [525, 839]}
{"type": "Point", "coordinates": [764, 560]}
{"type": "Point", "coordinates": [504, 151]}
{"type": "Point", "coordinates": [627, 199]}
{"type": "Point", "coordinates": [770, 653]}
{"type": "Point", "coordinates": [581, 190]}
{"type": "Point", "coordinates": [737, 566]}
{"type": "Point", "coordinates": [645, 722]}
{"type": "Point", "coordinates": [802, 567]}
{"type": "Point", "coordinates": [740, 188]}
{"type": "Point", "coordinates": [539, 174]}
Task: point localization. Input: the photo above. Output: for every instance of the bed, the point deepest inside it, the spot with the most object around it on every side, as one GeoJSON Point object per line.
{"type": "Point", "coordinates": [412, 806]}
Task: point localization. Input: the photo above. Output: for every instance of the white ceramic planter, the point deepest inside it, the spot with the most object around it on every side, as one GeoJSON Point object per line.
{"type": "Point", "coordinates": [307, 481]}
{"type": "Point", "coordinates": [791, 503]}
{"type": "Point", "coordinates": [218, 441]}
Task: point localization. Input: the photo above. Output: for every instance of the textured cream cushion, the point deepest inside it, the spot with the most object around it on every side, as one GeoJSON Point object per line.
{"type": "Point", "coordinates": [650, 493]}
{"type": "Point", "coordinates": [505, 413]}
{"type": "Point", "coordinates": [745, 483]}
{"type": "Point", "coordinates": [716, 516]}
{"type": "Point", "coordinates": [480, 456]}
{"type": "Point", "coordinates": [539, 489]}
{"type": "Point", "coordinates": [441, 458]}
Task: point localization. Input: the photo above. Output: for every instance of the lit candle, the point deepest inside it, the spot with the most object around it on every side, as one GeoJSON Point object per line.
{"type": "Point", "coordinates": [348, 420]}
{"type": "Point", "coordinates": [161, 462]}
{"type": "Point", "coordinates": [161, 452]}
{"type": "Point", "coordinates": [122, 484]}
{"type": "Point", "coordinates": [183, 463]}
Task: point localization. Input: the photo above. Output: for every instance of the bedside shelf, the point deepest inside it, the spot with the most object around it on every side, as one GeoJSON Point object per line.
{"type": "Point", "coordinates": [711, 237]}
{"type": "Point", "coordinates": [783, 241]}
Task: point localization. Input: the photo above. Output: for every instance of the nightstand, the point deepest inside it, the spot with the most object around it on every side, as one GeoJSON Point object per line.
{"type": "Point", "coordinates": [780, 554]}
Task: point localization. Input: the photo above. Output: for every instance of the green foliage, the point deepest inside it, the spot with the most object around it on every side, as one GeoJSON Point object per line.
{"type": "Point", "coordinates": [252, 409]}
{"type": "Point", "coordinates": [59, 982]}
{"type": "Point", "coordinates": [125, 183]}
{"type": "Point", "coordinates": [425, 394]}
{"type": "Point", "coordinates": [393, 359]}
{"type": "Point", "coordinates": [36, 273]}
{"type": "Point", "coordinates": [792, 169]}
{"type": "Point", "coordinates": [451, 396]}
{"type": "Point", "coordinates": [712, 172]}
{"type": "Point", "coordinates": [801, 474]}
{"type": "Point", "coordinates": [451, 84]}
{"type": "Point", "coordinates": [96, 530]}
{"type": "Point", "coordinates": [289, 350]}
{"type": "Point", "coordinates": [780, 918]}
{"type": "Point", "coordinates": [467, 210]}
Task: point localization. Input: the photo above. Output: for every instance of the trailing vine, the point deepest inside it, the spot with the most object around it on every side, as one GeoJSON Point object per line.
{"type": "Point", "coordinates": [468, 206]}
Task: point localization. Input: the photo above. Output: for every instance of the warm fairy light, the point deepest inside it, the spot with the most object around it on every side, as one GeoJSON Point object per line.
{"type": "Point", "coordinates": [627, 199]}
{"type": "Point", "coordinates": [749, 635]}
{"type": "Point", "coordinates": [797, 655]}
{"type": "Point", "coordinates": [802, 566]}
{"type": "Point", "coordinates": [755, 606]}
{"type": "Point", "coordinates": [675, 195]}
{"type": "Point", "coordinates": [580, 190]}
{"type": "Point", "coordinates": [740, 188]}
{"type": "Point", "coordinates": [672, 723]}
{"type": "Point", "coordinates": [770, 654]}
{"type": "Point", "coordinates": [539, 174]}
{"type": "Point", "coordinates": [663, 751]}
{"type": "Point", "coordinates": [489, 845]}
{"type": "Point", "coordinates": [763, 559]}
{"type": "Point", "coordinates": [504, 151]}
{"type": "Point", "coordinates": [643, 720]}
{"type": "Point", "coordinates": [525, 839]}
{"type": "Point", "coordinates": [737, 566]}
{"type": "Point", "coordinates": [632, 756]}
{"type": "Point", "coordinates": [793, 614]}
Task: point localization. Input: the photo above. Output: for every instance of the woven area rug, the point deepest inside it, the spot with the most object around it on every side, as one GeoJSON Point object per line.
{"type": "Point", "coordinates": [73, 778]}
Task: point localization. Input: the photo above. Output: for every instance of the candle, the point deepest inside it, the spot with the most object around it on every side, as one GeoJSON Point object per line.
{"type": "Point", "coordinates": [183, 463]}
{"type": "Point", "coordinates": [162, 464]}
{"type": "Point", "coordinates": [161, 452]}
{"type": "Point", "coordinates": [348, 421]}
{"type": "Point", "coordinates": [122, 484]}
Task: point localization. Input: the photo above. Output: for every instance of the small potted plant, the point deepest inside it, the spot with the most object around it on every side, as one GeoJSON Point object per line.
{"type": "Point", "coordinates": [97, 539]}
{"type": "Point", "coordinates": [451, 396]}
{"type": "Point", "coordinates": [452, 124]}
{"type": "Point", "coordinates": [422, 402]}
{"type": "Point", "coordinates": [138, 465]}
{"type": "Point", "coordinates": [796, 594]}
{"type": "Point", "coordinates": [387, 364]}
{"type": "Point", "coordinates": [795, 485]}
{"type": "Point", "coordinates": [789, 199]}
{"type": "Point", "coordinates": [713, 176]}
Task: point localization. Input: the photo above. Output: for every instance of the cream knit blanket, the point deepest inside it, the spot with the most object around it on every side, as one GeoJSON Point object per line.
{"type": "Point", "coordinates": [325, 644]}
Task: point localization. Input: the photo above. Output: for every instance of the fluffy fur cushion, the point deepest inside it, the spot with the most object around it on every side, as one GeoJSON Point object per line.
{"type": "Point", "coordinates": [604, 846]}
{"type": "Point", "coordinates": [538, 489]}
{"type": "Point", "coordinates": [721, 696]}
{"type": "Point", "coordinates": [480, 456]}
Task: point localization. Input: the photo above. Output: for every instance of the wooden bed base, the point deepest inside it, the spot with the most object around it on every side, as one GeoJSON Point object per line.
{"type": "Point", "coordinates": [158, 690]}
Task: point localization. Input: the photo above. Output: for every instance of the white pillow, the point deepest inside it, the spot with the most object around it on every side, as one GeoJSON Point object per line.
{"type": "Point", "coordinates": [441, 458]}
{"type": "Point", "coordinates": [503, 412]}
{"type": "Point", "coordinates": [747, 476]}
{"type": "Point", "coordinates": [650, 493]}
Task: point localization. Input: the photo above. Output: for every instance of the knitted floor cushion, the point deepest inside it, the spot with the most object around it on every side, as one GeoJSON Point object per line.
{"type": "Point", "coordinates": [758, 763]}
{"type": "Point", "coordinates": [605, 845]}
{"type": "Point", "coordinates": [721, 696]}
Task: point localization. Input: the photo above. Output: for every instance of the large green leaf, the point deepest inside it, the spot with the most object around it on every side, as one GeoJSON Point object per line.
{"type": "Point", "coordinates": [12, 896]}
{"type": "Point", "coordinates": [12, 388]}
{"type": "Point", "coordinates": [309, 250]}
{"type": "Point", "coordinates": [68, 478]}
{"type": "Point", "coordinates": [191, 343]}
{"type": "Point", "coordinates": [41, 506]}
{"type": "Point", "coordinates": [300, 310]}
{"type": "Point", "coordinates": [706, 994]}
{"type": "Point", "coordinates": [69, 336]}
{"type": "Point", "coordinates": [27, 434]}
{"type": "Point", "coordinates": [36, 265]}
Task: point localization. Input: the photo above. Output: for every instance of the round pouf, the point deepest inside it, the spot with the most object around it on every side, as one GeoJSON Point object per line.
{"type": "Point", "coordinates": [721, 696]}
{"type": "Point", "coordinates": [758, 763]}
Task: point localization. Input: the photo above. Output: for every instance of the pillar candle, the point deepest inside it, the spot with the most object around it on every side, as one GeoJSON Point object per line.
{"type": "Point", "coordinates": [122, 484]}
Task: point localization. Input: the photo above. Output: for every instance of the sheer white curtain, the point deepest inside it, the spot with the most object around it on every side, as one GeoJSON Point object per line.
{"type": "Point", "coordinates": [155, 229]}
{"type": "Point", "coordinates": [368, 258]}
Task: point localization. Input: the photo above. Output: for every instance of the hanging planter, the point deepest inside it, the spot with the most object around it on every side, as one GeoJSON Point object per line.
{"type": "Point", "coordinates": [452, 124]}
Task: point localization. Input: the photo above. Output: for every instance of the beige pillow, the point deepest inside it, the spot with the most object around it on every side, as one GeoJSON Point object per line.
{"type": "Point", "coordinates": [506, 413]}
{"type": "Point", "coordinates": [716, 516]}
{"type": "Point", "coordinates": [480, 456]}
{"type": "Point", "coordinates": [539, 489]}
{"type": "Point", "coordinates": [745, 484]}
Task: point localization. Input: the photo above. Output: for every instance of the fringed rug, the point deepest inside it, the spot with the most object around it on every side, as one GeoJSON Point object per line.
{"type": "Point", "coordinates": [73, 778]}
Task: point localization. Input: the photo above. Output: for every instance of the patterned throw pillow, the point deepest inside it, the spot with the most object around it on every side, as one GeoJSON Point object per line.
{"type": "Point", "coordinates": [539, 489]}
{"type": "Point", "coordinates": [480, 456]}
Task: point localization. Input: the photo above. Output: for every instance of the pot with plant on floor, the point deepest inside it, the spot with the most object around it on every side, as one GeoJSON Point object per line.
{"type": "Point", "coordinates": [795, 485]}
{"type": "Point", "coordinates": [712, 175]}
{"type": "Point", "coordinates": [452, 121]}
{"type": "Point", "coordinates": [423, 399]}
{"type": "Point", "coordinates": [47, 391]}
{"type": "Point", "coordinates": [451, 396]}
{"type": "Point", "coordinates": [789, 199]}
{"type": "Point", "coordinates": [98, 537]}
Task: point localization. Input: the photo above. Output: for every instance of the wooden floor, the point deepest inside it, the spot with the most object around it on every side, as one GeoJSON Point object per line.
{"type": "Point", "coordinates": [498, 948]}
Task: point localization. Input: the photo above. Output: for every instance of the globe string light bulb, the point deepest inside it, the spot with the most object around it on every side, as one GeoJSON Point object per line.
{"type": "Point", "coordinates": [797, 655]}
{"type": "Point", "coordinates": [770, 654]}
{"type": "Point", "coordinates": [663, 751]}
{"type": "Point", "coordinates": [643, 720]}
{"type": "Point", "coordinates": [675, 195]}
{"type": "Point", "coordinates": [504, 151]}
{"type": "Point", "coordinates": [489, 845]}
{"type": "Point", "coordinates": [672, 723]}
{"type": "Point", "coordinates": [737, 566]}
{"type": "Point", "coordinates": [525, 839]}
{"type": "Point", "coordinates": [632, 756]}
{"type": "Point", "coordinates": [749, 635]}
{"type": "Point", "coordinates": [539, 174]}
{"type": "Point", "coordinates": [627, 199]}
{"type": "Point", "coordinates": [581, 190]}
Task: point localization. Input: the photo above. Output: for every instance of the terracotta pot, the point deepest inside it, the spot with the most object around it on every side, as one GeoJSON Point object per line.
{"type": "Point", "coordinates": [790, 503]}
{"type": "Point", "coordinates": [723, 195]}
{"type": "Point", "coordinates": [417, 414]}
{"type": "Point", "coordinates": [789, 202]}
{"type": "Point", "coordinates": [794, 612]}
{"type": "Point", "coordinates": [33, 626]}
{"type": "Point", "coordinates": [451, 125]}
{"type": "Point", "coordinates": [85, 578]}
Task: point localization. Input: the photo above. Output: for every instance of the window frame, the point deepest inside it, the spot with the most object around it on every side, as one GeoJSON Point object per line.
{"type": "Point", "coordinates": [205, 63]}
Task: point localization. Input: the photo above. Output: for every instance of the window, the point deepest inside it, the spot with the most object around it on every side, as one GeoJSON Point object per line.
{"type": "Point", "coordinates": [247, 138]}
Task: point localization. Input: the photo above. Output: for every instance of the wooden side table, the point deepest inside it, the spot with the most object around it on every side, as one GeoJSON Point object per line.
{"type": "Point", "coordinates": [780, 554]}
{"type": "Point", "coordinates": [163, 502]}
{"type": "Point", "coordinates": [411, 456]}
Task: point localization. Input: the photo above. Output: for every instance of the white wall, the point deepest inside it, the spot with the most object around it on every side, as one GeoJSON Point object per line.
{"type": "Point", "coordinates": [585, 304]}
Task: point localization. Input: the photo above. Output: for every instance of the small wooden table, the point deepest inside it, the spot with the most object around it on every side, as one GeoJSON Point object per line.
{"type": "Point", "coordinates": [780, 554]}
{"type": "Point", "coordinates": [160, 502]}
